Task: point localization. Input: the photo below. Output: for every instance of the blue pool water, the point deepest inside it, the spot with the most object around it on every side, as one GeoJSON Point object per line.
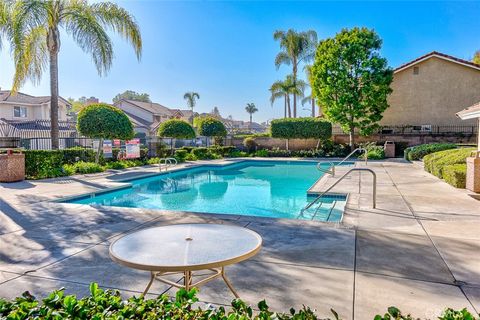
{"type": "Point", "coordinates": [254, 188]}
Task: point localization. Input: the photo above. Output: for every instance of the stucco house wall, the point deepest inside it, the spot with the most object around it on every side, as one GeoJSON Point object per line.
{"type": "Point", "coordinates": [431, 92]}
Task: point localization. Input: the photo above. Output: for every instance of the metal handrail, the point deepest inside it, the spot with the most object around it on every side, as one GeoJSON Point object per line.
{"type": "Point", "coordinates": [168, 162]}
{"type": "Point", "coordinates": [374, 193]}
{"type": "Point", "coordinates": [331, 169]}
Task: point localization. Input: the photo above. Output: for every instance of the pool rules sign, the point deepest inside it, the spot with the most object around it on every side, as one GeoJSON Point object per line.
{"type": "Point", "coordinates": [132, 149]}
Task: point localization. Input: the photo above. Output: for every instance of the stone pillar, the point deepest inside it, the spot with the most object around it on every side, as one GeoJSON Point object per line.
{"type": "Point", "coordinates": [12, 167]}
{"type": "Point", "coordinates": [473, 173]}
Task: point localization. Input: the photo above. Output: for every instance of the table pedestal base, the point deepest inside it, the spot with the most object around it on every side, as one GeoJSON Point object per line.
{"type": "Point", "coordinates": [188, 280]}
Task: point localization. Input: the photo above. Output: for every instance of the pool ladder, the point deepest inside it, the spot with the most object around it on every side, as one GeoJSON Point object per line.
{"type": "Point", "coordinates": [331, 168]}
{"type": "Point", "coordinates": [167, 163]}
{"type": "Point", "coordinates": [319, 197]}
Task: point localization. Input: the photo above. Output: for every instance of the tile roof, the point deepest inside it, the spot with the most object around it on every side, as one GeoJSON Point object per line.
{"type": "Point", "coordinates": [39, 125]}
{"type": "Point", "coordinates": [20, 97]}
{"type": "Point", "coordinates": [438, 55]}
{"type": "Point", "coordinates": [152, 107]}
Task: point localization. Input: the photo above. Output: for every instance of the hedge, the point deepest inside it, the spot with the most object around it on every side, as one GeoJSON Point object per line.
{"type": "Point", "coordinates": [41, 164]}
{"type": "Point", "coordinates": [420, 151]}
{"type": "Point", "coordinates": [108, 304]}
{"type": "Point", "coordinates": [456, 175]}
{"type": "Point", "coordinates": [301, 128]}
{"type": "Point", "coordinates": [435, 162]}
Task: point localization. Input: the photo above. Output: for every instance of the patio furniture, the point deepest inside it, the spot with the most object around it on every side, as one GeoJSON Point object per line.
{"type": "Point", "coordinates": [185, 248]}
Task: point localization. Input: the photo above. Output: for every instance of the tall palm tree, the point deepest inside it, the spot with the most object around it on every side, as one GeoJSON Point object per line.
{"type": "Point", "coordinates": [191, 98]}
{"type": "Point", "coordinates": [251, 109]}
{"type": "Point", "coordinates": [310, 98]}
{"type": "Point", "coordinates": [4, 14]}
{"type": "Point", "coordinates": [35, 36]}
{"type": "Point", "coordinates": [297, 47]}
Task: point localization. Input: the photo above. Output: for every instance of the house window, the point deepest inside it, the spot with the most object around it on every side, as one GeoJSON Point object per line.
{"type": "Point", "coordinates": [416, 70]}
{"type": "Point", "coordinates": [19, 112]}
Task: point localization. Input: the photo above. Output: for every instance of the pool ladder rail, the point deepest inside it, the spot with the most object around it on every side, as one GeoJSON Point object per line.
{"type": "Point", "coordinates": [319, 197]}
{"type": "Point", "coordinates": [167, 163]}
{"type": "Point", "coordinates": [331, 169]}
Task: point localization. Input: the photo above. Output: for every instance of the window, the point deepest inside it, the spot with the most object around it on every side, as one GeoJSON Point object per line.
{"type": "Point", "coordinates": [19, 112]}
{"type": "Point", "coordinates": [416, 70]}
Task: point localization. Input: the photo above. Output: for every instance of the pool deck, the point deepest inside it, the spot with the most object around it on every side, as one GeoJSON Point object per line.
{"type": "Point", "coordinates": [419, 250]}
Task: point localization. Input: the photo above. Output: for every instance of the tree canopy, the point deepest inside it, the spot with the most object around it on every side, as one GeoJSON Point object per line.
{"type": "Point", "coordinates": [351, 81]}
{"type": "Point", "coordinates": [132, 95]}
{"type": "Point", "coordinates": [476, 57]}
{"type": "Point", "coordinates": [177, 129]}
{"type": "Point", "coordinates": [211, 127]}
{"type": "Point", "coordinates": [105, 122]}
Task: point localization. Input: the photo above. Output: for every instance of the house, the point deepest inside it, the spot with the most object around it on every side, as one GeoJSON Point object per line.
{"type": "Point", "coordinates": [24, 107]}
{"type": "Point", "coordinates": [147, 116]}
{"type": "Point", "coordinates": [428, 91]}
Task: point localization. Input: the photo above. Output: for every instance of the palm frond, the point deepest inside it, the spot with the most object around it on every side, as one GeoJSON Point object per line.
{"type": "Point", "coordinates": [282, 58]}
{"type": "Point", "coordinates": [82, 24]}
{"type": "Point", "coordinates": [307, 99]}
{"type": "Point", "coordinates": [120, 21]}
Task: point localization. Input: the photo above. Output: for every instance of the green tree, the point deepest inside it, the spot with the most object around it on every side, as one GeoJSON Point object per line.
{"type": "Point", "coordinates": [211, 127]}
{"type": "Point", "coordinates": [191, 98]}
{"type": "Point", "coordinates": [103, 121]}
{"type": "Point", "coordinates": [297, 48]}
{"type": "Point", "coordinates": [352, 81]}
{"type": "Point", "coordinates": [175, 129]}
{"type": "Point", "coordinates": [251, 109]}
{"type": "Point", "coordinates": [34, 32]}
{"type": "Point", "coordinates": [476, 57]}
{"type": "Point", "coordinates": [132, 95]}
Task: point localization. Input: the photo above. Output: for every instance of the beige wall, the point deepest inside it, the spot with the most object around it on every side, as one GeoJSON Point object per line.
{"type": "Point", "coordinates": [441, 89]}
{"type": "Point", "coordinates": [135, 110]}
{"type": "Point", "coordinates": [34, 112]}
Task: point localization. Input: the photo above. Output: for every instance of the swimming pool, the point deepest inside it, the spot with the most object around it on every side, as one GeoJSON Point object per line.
{"type": "Point", "coordinates": [255, 188]}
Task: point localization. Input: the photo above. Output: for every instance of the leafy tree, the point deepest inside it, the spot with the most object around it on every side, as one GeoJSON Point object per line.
{"type": "Point", "coordinates": [103, 121]}
{"type": "Point", "coordinates": [351, 80]}
{"type": "Point", "coordinates": [211, 127]}
{"type": "Point", "coordinates": [301, 128]}
{"type": "Point", "coordinates": [297, 48]}
{"type": "Point", "coordinates": [476, 57]}
{"type": "Point", "coordinates": [34, 33]}
{"type": "Point", "coordinates": [132, 95]}
{"type": "Point", "coordinates": [175, 129]}
{"type": "Point", "coordinates": [251, 109]}
{"type": "Point", "coordinates": [191, 98]}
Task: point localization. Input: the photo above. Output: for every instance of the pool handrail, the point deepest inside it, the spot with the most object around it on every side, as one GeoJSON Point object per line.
{"type": "Point", "coordinates": [168, 162]}
{"type": "Point", "coordinates": [331, 168]}
{"type": "Point", "coordinates": [374, 187]}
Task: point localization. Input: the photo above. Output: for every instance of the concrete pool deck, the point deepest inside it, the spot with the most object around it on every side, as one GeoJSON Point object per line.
{"type": "Point", "coordinates": [419, 250]}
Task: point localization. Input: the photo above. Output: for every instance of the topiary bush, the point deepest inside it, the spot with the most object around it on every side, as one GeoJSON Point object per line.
{"type": "Point", "coordinates": [211, 127]}
{"type": "Point", "coordinates": [301, 128]}
{"type": "Point", "coordinates": [250, 144]}
{"type": "Point", "coordinates": [420, 151]}
{"type": "Point", "coordinates": [435, 162]}
{"type": "Point", "coordinates": [456, 175]}
{"type": "Point", "coordinates": [175, 129]}
{"type": "Point", "coordinates": [103, 121]}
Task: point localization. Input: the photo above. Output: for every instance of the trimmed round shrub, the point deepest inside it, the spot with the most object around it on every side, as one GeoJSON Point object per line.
{"type": "Point", "coordinates": [420, 151]}
{"type": "Point", "coordinates": [177, 129]}
{"type": "Point", "coordinates": [301, 128]}
{"type": "Point", "coordinates": [435, 162]}
{"type": "Point", "coordinates": [249, 144]}
{"type": "Point", "coordinates": [211, 127]}
{"type": "Point", "coordinates": [104, 121]}
{"type": "Point", "coordinates": [456, 175]}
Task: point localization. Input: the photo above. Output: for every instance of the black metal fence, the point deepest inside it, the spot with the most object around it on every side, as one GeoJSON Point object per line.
{"type": "Point", "coordinates": [421, 130]}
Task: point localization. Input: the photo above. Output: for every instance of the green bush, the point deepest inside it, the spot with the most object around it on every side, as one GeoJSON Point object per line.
{"type": "Point", "coordinates": [116, 165]}
{"type": "Point", "coordinates": [191, 157]}
{"type": "Point", "coordinates": [108, 304]}
{"type": "Point", "coordinates": [420, 151]}
{"type": "Point", "coordinates": [41, 164]}
{"type": "Point", "coordinates": [249, 144]}
{"type": "Point", "coordinates": [374, 152]}
{"type": "Point", "coordinates": [435, 162]}
{"type": "Point", "coordinates": [181, 154]}
{"type": "Point", "coordinates": [211, 127]}
{"type": "Point", "coordinates": [456, 175]}
{"type": "Point", "coordinates": [301, 128]}
{"type": "Point", "coordinates": [83, 167]}
{"type": "Point", "coordinates": [177, 129]}
{"type": "Point", "coordinates": [261, 153]}
{"type": "Point", "coordinates": [72, 155]}
{"type": "Point", "coordinates": [237, 154]}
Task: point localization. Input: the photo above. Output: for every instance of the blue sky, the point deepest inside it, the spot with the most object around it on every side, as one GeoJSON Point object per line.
{"type": "Point", "coordinates": [225, 50]}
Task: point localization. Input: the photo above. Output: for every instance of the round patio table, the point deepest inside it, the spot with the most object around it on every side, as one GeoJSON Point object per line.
{"type": "Point", "coordinates": [184, 248]}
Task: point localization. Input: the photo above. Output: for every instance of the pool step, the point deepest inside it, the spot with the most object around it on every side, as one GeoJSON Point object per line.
{"type": "Point", "coordinates": [326, 210]}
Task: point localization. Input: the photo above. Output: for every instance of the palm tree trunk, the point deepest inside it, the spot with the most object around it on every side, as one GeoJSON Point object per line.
{"type": "Point", "coordinates": [285, 107]}
{"type": "Point", "coordinates": [313, 108]}
{"type": "Point", "coordinates": [250, 121]}
{"type": "Point", "coordinates": [294, 105]}
{"type": "Point", "coordinates": [54, 99]}
{"type": "Point", "coordinates": [289, 110]}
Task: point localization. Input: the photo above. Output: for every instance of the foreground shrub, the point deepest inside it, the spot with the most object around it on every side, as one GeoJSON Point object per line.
{"type": "Point", "coordinates": [211, 127]}
{"type": "Point", "coordinates": [249, 144]}
{"type": "Point", "coordinates": [456, 175]}
{"type": "Point", "coordinates": [420, 151]}
{"type": "Point", "coordinates": [108, 304]}
{"type": "Point", "coordinates": [301, 128]}
{"type": "Point", "coordinates": [83, 167]}
{"type": "Point", "coordinates": [374, 152]}
{"type": "Point", "coordinates": [41, 164]}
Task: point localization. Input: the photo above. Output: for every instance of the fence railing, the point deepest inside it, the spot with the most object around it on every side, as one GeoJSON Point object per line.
{"type": "Point", "coordinates": [419, 130]}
